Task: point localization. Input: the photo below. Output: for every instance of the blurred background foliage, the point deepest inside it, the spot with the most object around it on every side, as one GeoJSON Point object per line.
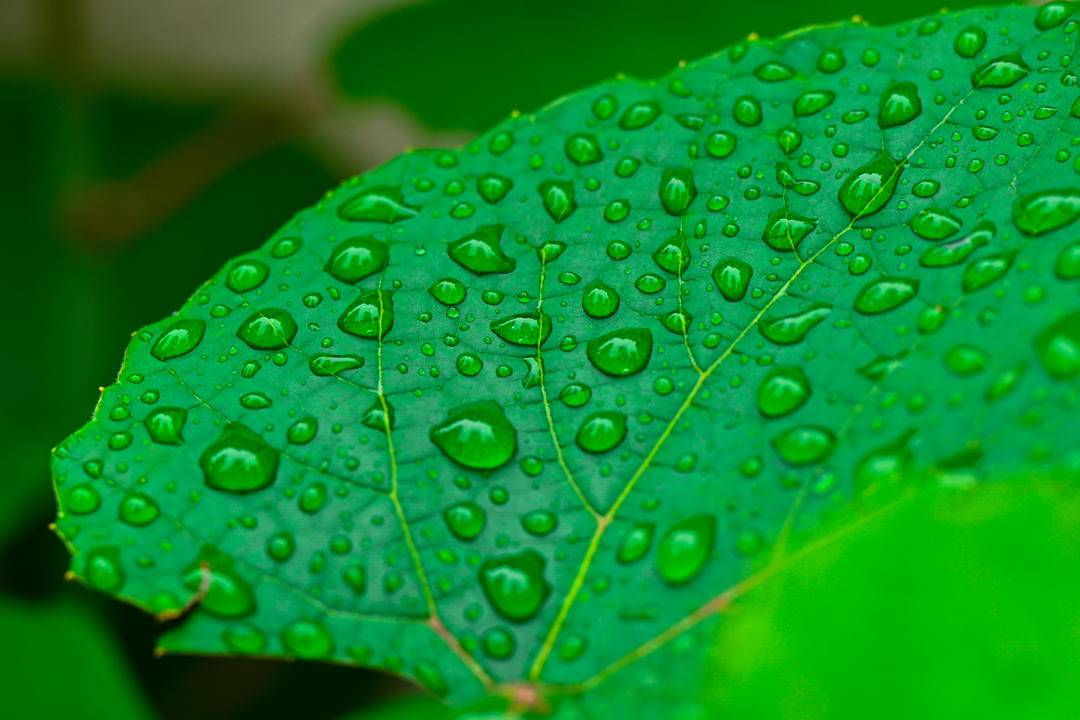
{"type": "Point", "coordinates": [146, 142]}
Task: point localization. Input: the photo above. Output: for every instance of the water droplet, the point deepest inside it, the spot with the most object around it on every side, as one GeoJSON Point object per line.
{"type": "Point", "coordinates": [685, 548]}
{"type": "Point", "coordinates": [357, 258]}
{"type": "Point", "coordinates": [239, 461]}
{"type": "Point", "coordinates": [1058, 348]}
{"type": "Point", "coordinates": [677, 190]}
{"type": "Point", "coordinates": [583, 149]}
{"type": "Point", "coordinates": [269, 329]}
{"type": "Point", "coordinates": [540, 522]}
{"type": "Point", "coordinates": [622, 352]}
{"type": "Point", "coordinates": [957, 251]}
{"type": "Point", "coordinates": [1067, 266]}
{"type": "Point", "coordinates": [381, 204]}
{"type": "Point", "coordinates": [244, 639]}
{"type": "Point", "coordinates": [747, 111]}
{"type": "Point", "coordinates": [784, 230]}
{"type": "Point", "coordinates": [370, 316]}
{"type": "Point", "coordinates": [558, 197]}
{"type": "Point", "coordinates": [720, 144]}
{"type": "Point", "coordinates": [791, 329]}
{"type": "Point", "coordinates": [493, 188]}
{"type": "Point", "coordinates": [812, 102]}
{"type": "Point", "coordinates": [164, 425]}
{"type": "Point", "coordinates": [899, 104]}
{"type": "Point", "coordinates": [599, 300]}
{"type": "Point", "coordinates": [1000, 72]}
{"type": "Point", "coordinates": [82, 500]}
{"type": "Point", "coordinates": [515, 585]}
{"type": "Point", "coordinates": [601, 432]}
{"type": "Point", "coordinates": [783, 391]}
{"type": "Point", "coordinates": [635, 543]}
{"type": "Point", "coordinates": [303, 430]}
{"type": "Point", "coordinates": [137, 509]}
{"type": "Point", "coordinates": [965, 360]}
{"type": "Point", "coordinates": [804, 445]}
{"type": "Point", "coordinates": [1052, 14]}
{"type": "Point", "coordinates": [970, 42]}
{"type": "Point", "coordinates": [180, 338]}
{"type": "Point", "coordinates": [935, 224]}
{"type": "Point", "coordinates": [307, 639]}
{"type": "Point", "coordinates": [466, 520]}
{"type": "Point", "coordinates": [868, 188]}
{"type": "Point", "coordinates": [986, 270]}
{"type": "Point", "coordinates": [673, 255]}
{"type": "Point", "coordinates": [732, 277]}
{"type": "Point", "coordinates": [247, 274]}
{"type": "Point", "coordinates": [481, 251]}
{"type": "Point", "coordinates": [227, 595]}
{"type": "Point", "coordinates": [498, 643]}
{"type": "Point", "coordinates": [1046, 211]}
{"type": "Point", "coordinates": [477, 435]}
{"type": "Point", "coordinates": [639, 115]}
{"type": "Point", "coordinates": [575, 394]}
{"type": "Point", "coordinates": [526, 329]}
{"type": "Point", "coordinates": [103, 569]}
{"type": "Point", "coordinates": [885, 294]}
{"type": "Point", "coordinates": [324, 365]}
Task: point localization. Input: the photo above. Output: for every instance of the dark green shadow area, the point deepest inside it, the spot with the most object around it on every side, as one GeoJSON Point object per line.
{"type": "Point", "coordinates": [466, 64]}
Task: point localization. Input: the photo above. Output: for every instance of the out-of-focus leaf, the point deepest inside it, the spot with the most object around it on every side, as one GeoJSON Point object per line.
{"type": "Point", "coordinates": [57, 661]}
{"type": "Point", "coordinates": [466, 64]}
{"type": "Point", "coordinates": [952, 605]}
{"type": "Point", "coordinates": [515, 419]}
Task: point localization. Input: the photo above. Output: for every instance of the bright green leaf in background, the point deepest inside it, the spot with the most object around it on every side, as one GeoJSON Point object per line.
{"type": "Point", "coordinates": [518, 419]}
{"type": "Point", "coordinates": [58, 661]}
{"type": "Point", "coordinates": [940, 607]}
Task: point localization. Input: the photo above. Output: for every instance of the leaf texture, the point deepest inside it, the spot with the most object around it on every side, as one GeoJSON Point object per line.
{"type": "Point", "coordinates": [522, 418]}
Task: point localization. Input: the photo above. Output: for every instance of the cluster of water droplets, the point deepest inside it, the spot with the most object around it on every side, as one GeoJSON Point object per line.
{"type": "Point", "coordinates": [675, 310]}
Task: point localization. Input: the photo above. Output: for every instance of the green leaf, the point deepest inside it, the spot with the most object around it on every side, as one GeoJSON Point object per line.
{"type": "Point", "coordinates": [57, 661]}
{"type": "Point", "coordinates": [948, 604]}
{"type": "Point", "coordinates": [514, 419]}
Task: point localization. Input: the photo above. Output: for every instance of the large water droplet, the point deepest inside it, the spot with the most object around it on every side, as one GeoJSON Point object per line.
{"type": "Point", "coordinates": [466, 520]}
{"type": "Point", "coordinates": [103, 569]}
{"type": "Point", "coordinates": [986, 270]}
{"type": "Point", "coordinates": [477, 435]}
{"type": "Point", "coordinates": [228, 595]}
{"type": "Point", "coordinates": [935, 224]}
{"type": "Point", "coordinates": [783, 391]}
{"type": "Point", "coordinates": [1058, 347]}
{"type": "Point", "coordinates": [868, 188]}
{"type": "Point", "coordinates": [1046, 211]}
{"type": "Point", "coordinates": [899, 104]}
{"type": "Point", "coordinates": [639, 115]}
{"type": "Point", "coordinates": [583, 149]}
{"type": "Point", "coordinates": [784, 230]}
{"type": "Point", "coordinates": [381, 204]}
{"type": "Point", "coordinates": [602, 431]}
{"type": "Point", "coordinates": [269, 329]}
{"type": "Point", "coordinates": [526, 329]}
{"type": "Point", "coordinates": [481, 251]}
{"type": "Point", "coordinates": [164, 425]}
{"type": "Point", "coordinates": [180, 338]}
{"type": "Point", "coordinates": [515, 584]}
{"type": "Point", "coordinates": [307, 639]}
{"type": "Point", "coordinates": [239, 461]}
{"type": "Point", "coordinates": [677, 190]}
{"type": "Point", "coordinates": [558, 197]}
{"type": "Point", "coordinates": [357, 258]}
{"type": "Point", "coordinates": [1000, 72]}
{"type": "Point", "coordinates": [957, 251]}
{"type": "Point", "coordinates": [247, 274]}
{"type": "Point", "coordinates": [804, 445]}
{"type": "Point", "coordinates": [885, 294]}
{"type": "Point", "coordinates": [791, 329]}
{"type": "Point", "coordinates": [622, 352]}
{"type": "Point", "coordinates": [685, 548]}
{"type": "Point", "coordinates": [636, 543]}
{"type": "Point", "coordinates": [370, 316]}
{"type": "Point", "coordinates": [599, 300]}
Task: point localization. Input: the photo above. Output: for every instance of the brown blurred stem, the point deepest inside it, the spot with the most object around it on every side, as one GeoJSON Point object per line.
{"type": "Point", "coordinates": [109, 215]}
